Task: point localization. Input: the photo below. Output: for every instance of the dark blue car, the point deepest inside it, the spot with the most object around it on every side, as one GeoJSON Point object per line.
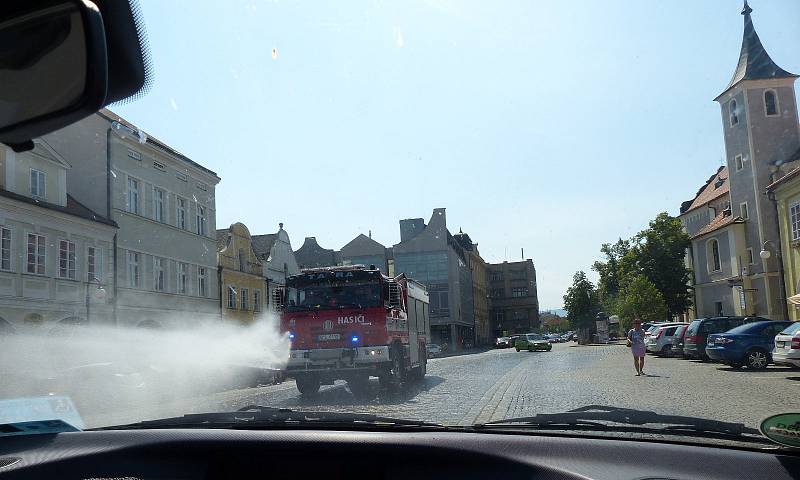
{"type": "Point", "coordinates": [749, 344]}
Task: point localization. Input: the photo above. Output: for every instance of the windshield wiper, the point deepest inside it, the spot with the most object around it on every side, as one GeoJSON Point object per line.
{"type": "Point", "coordinates": [256, 416]}
{"type": "Point", "coordinates": [598, 418]}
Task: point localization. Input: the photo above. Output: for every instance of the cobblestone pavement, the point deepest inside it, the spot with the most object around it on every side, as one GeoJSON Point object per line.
{"type": "Point", "coordinates": [499, 384]}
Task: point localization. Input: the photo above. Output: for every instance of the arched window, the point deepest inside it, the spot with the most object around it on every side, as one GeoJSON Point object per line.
{"type": "Point", "coordinates": [733, 112]}
{"type": "Point", "coordinates": [771, 103]}
{"type": "Point", "coordinates": [712, 255]}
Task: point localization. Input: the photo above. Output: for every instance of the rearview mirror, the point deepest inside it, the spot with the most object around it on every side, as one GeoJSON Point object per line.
{"type": "Point", "coordinates": [62, 60]}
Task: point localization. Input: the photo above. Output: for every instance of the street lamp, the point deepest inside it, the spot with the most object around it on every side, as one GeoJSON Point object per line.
{"type": "Point", "coordinates": [100, 293]}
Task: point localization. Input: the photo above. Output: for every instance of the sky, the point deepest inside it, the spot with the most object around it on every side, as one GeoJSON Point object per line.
{"type": "Point", "coordinates": [551, 126]}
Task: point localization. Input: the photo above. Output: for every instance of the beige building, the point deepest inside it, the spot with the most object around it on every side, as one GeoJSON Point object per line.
{"type": "Point", "coordinates": [480, 291]}
{"type": "Point", "coordinates": [240, 275]}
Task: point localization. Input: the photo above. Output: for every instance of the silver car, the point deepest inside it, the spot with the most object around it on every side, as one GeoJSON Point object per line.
{"type": "Point", "coordinates": [787, 346]}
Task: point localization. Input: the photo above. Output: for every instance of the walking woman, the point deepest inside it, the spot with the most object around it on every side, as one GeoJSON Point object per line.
{"type": "Point", "coordinates": [636, 342]}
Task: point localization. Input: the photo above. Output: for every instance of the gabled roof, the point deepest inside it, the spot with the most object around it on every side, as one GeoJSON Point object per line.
{"type": "Point", "coordinates": [716, 186]}
{"type": "Point", "coordinates": [363, 245]}
{"type": "Point", "coordinates": [262, 244]}
{"type": "Point", "coordinates": [754, 61]}
{"type": "Point", "coordinates": [722, 220]}
{"type": "Point", "coordinates": [73, 207]}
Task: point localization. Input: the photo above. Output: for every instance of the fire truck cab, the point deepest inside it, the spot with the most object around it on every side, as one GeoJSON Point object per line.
{"type": "Point", "coordinates": [352, 323]}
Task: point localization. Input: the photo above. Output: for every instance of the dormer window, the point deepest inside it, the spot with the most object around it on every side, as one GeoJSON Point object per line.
{"type": "Point", "coordinates": [734, 116]}
{"type": "Point", "coordinates": [38, 183]}
{"type": "Point", "coordinates": [771, 103]}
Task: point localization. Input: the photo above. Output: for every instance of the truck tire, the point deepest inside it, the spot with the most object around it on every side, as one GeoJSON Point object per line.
{"type": "Point", "coordinates": [359, 386]}
{"type": "Point", "coordinates": [307, 384]}
{"type": "Point", "coordinates": [394, 376]}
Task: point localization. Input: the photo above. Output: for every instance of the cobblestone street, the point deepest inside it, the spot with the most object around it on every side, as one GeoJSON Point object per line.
{"type": "Point", "coordinates": [499, 384]}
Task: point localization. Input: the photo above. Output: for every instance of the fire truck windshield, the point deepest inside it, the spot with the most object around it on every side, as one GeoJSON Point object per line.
{"type": "Point", "coordinates": [330, 296]}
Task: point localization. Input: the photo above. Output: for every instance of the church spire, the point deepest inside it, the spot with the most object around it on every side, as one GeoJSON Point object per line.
{"type": "Point", "coordinates": [754, 61]}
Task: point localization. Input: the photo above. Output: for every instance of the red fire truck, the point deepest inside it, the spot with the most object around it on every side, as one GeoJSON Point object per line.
{"type": "Point", "coordinates": [351, 323]}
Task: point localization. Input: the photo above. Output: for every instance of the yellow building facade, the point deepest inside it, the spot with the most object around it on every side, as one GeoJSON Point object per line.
{"type": "Point", "coordinates": [241, 275]}
{"type": "Point", "coordinates": [785, 192]}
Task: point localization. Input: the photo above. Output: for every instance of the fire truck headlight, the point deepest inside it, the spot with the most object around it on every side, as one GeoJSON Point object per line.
{"type": "Point", "coordinates": [375, 352]}
{"type": "Point", "coordinates": [292, 355]}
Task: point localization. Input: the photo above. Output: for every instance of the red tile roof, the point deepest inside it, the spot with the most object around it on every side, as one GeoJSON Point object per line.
{"type": "Point", "coordinates": [720, 221]}
{"type": "Point", "coordinates": [710, 191]}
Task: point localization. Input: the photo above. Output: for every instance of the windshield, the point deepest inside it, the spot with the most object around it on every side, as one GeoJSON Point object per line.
{"type": "Point", "coordinates": [332, 297]}
{"type": "Point", "coordinates": [309, 197]}
{"type": "Point", "coordinates": [752, 328]}
{"type": "Point", "coordinates": [791, 329]}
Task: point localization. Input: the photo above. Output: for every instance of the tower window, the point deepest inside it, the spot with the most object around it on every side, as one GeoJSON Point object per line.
{"type": "Point", "coordinates": [771, 103]}
{"type": "Point", "coordinates": [733, 112]}
{"type": "Point", "coordinates": [739, 161]}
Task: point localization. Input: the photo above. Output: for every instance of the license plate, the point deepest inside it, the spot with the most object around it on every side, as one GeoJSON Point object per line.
{"type": "Point", "coordinates": [329, 336]}
{"type": "Point", "coordinates": [780, 344]}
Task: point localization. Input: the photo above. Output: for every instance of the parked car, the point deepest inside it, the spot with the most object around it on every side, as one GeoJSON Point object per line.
{"type": "Point", "coordinates": [786, 350]}
{"type": "Point", "coordinates": [750, 344]}
{"type": "Point", "coordinates": [512, 340]}
{"type": "Point", "coordinates": [433, 350]}
{"type": "Point", "coordinates": [660, 341]}
{"type": "Point", "coordinates": [694, 341]}
{"type": "Point", "coordinates": [531, 342]}
{"type": "Point", "coordinates": [677, 341]}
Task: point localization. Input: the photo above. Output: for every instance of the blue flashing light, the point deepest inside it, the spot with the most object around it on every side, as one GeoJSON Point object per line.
{"type": "Point", "coordinates": [291, 336]}
{"type": "Point", "coordinates": [354, 339]}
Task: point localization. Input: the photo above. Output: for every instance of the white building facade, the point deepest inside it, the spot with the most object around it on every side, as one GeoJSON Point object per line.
{"type": "Point", "coordinates": [164, 204]}
{"type": "Point", "coordinates": [56, 254]}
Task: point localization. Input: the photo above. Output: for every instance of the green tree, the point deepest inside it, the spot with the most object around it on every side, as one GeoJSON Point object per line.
{"type": "Point", "coordinates": [581, 302]}
{"type": "Point", "coordinates": [610, 270]}
{"type": "Point", "coordinates": [660, 251]}
{"type": "Point", "coordinates": [640, 298]}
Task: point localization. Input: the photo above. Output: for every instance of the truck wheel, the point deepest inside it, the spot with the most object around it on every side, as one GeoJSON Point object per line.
{"type": "Point", "coordinates": [307, 384]}
{"type": "Point", "coordinates": [358, 386]}
{"type": "Point", "coordinates": [394, 376]}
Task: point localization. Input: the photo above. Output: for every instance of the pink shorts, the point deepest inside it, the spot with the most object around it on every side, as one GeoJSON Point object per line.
{"type": "Point", "coordinates": [638, 350]}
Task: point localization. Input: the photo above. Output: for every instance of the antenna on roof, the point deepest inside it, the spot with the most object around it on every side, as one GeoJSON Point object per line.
{"type": "Point", "coordinates": [370, 234]}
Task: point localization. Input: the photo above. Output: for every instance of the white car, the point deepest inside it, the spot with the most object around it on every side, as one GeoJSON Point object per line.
{"type": "Point", "coordinates": [660, 340]}
{"type": "Point", "coordinates": [787, 346]}
{"type": "Point", "coordinates": [433, 350]}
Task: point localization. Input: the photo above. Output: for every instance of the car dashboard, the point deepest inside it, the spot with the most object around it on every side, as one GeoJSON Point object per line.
{"type": "Point", "coordinates": [275, 454]}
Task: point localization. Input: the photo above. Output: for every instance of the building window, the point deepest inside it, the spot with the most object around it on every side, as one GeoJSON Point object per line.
{"type": "Point", "coordinates": [739, 162]}
{"type": "Point", "coordinates": [201, 281]}
{"type": "Point", "coordinates": [202, 186]}
{"type": "Point", "coordinates": [743, 211]}
{"type": "Point", "coordinates": [712, 251]}
{"type": "Point", "coordinates": [158, 205]}
{"type": "Point", "coordinates": [180, 213]}
{"type": "Point", "coordinates": [750, 258]}
{"type": "Point", "coordinates": [201, 220]}
{"type": "Point", "coordinates": [5, 248]}
{"type": "Point", "coordinates": [134, 155]}
{"type": "Point", "coordinates": [497, 275]}
{"type": "Point", "coordinates": [718, 308]}
{"type": "Point", "coordinates": [38, 183]}
{"type": "Point", "coordinates": [181, 176]}
{"type": "Point", "coordinates": [36, 254]}
{"type": "Point", "coordinates": [133, 195]}
{"type": "Point", "coordinates": [242, 261]}
{"type": "Point", "coordinates": [133, 269]}
{"type": "Point", "coordinates": [181, 278]}
{"type": "Point", "coordinates": [66, 259]}
{"type": "Point", "coordinates": [733, 112]}
{"type": "Point", "coordinates": [93, 264]}
{"type": "Point", "coordinates": [158, 274]}
{"type": "Point", "coordinates": [771, 103]}
{"type": "Point", "coordinates": [244, 294]}
{"type": "Point", "coordinates": [159, 166]}
{"type": "Point", "coordinates": [794, 217]}
{"type": "Point", "coordinates": [499, 317]}
{"type": "Point", "coordinates": [496, 293]}
{"type": "Point", "coordinates": [231, 297]}
{"type": "Point", "coordinates": [519, 292]}
{"type": "Point", "coordinates": [256, 300]}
